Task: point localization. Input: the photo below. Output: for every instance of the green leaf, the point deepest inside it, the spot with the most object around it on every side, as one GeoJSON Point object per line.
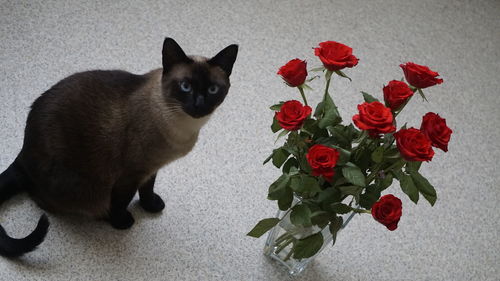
{"type": "Point", "coordinates": [336, 225]}
{"type": "Point", "coordinates": [320, 218]}
{"type": "Point", "coordinates": [400, 164]}
{"type": "Point", "coordinates": [344, 155]}
{"type": "Point", "coordinates": [285, 201]}
{"type": "Point", "coordinates": [275, 126]}
{"type": "Point", "coordinates": [277, 106]}
{"type": "Point", "coordinates": [301, 215]}
{"type": "Point", "coordinates": [296, 184]}
{"type": "Point", "coordinates": [307, 87]}
{"type": "Point", "coordinates": [262, 227]}
{"type": "Point", "coordinates": [292, 162]}
{"type": "Point", "coordinates": [392, 152]}
{"type": "Point", "coordinates": [319, 109]}
{"type": "Point", "coordinates": [340, 208]}
{"type": "Point", "coordinates": [311, 184]}
{"type": "Point", "coordinates": [352, 132]}
{"type": "Point", "coordinates": [340, 181]}
{"type": "Point", "coordinates": [421, 93]}
{"type": "Point", "coordinates": [328, 196]}
{"type": "Point", "coordinates": [331, 116]}
{"type": "Point", "coordinates": [339, 135]}
{"type": "Point", "coordinates": [294, 171]}
{"type": "Point", "coordinates": [308, 247]}
{"type": "Point", "coordinates": [277, 188]}
{"type": "Point", "coordinates": [268, 158]}
{"type": "Point", "coordinates": [353, 190]}
{"type": "Point", "coordinates": [388, 139]}
{"type": "Point", "coordinates": [342, 74]}
{"type": "Point", "coordinates": [354, 176]}
{"type": "Point", "coordinates": [343, 135]}
{"type": "Point", "coordinates": [408, 186]}
{"type": "Point", "coordinates": [424, 187]}
{"type": "Point", "coordinates": [304, 165]}
{"type": "Point", "coordinates": [282, 134]}
{"type": "Point", "coordinates": [368, 98]}
{"type": "Point", "coordinates": [413, 166]}
{"type": "Point", "coordinates": [371, 195]}
{"type": "Point", "coordinates": [378, 154]}
{"type": "Point", "coordinates": [305, 183]}
{"type": "Point", "coordinates": [309, 80]}
{"type": "Point", "coordinates": [384, 183]}
{"type": "Point", "coordinates": [310, 125]}
{"type": "Point", "coordinates": [279, 157]}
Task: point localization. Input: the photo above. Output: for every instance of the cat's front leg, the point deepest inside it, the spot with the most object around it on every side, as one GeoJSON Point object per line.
{"type": "Point", "coordinates": [149, 200]}
{"type": "Point", "coordinates": [121, 195]}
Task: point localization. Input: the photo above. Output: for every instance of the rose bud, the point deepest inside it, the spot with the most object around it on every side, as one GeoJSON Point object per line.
{"type": "Point", "coordinates": [335, 56]}
{"type": "Point", "coordinates": [434, 127]}
{"type": "Point", "coordinates": [374, 117]}
{"type": "Point", "coordinates": [292, 115]}
{"type": "Point", "coordinates": [396, 93]}
{"type": "Point", "coordinates": [294, 72]}
{"type": "Point", "coordinates": [420, 76]}
{"type": "Point", "coordinates": [322, 160]}
{"type": "Point", "coordinates": [414, 145]}
{"type": "Point", "coordinates": [387, 211]}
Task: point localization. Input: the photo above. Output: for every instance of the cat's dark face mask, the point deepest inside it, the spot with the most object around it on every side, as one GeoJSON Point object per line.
{"type": "Point", "coordinates": [198, 85]}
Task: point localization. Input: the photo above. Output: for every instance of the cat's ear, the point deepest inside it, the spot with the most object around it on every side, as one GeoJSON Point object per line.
{"type": "Point", "coordinates": [225, 58]}
{"type": "Point", "coordinates": [172, 54]}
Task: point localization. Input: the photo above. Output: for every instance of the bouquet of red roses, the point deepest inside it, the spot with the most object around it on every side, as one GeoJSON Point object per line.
{"type": "Point", "coordinates": [332, 169]}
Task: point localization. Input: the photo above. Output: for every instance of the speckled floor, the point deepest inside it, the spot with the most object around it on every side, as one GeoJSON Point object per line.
{"type": "Point", "coordinates": [216, 194]}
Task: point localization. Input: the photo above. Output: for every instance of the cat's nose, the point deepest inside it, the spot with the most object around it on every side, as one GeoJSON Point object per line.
{"type": "Point", "coordinates": [200, 100]}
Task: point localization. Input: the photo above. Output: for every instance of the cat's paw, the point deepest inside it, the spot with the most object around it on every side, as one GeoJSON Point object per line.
{"type": "Point", "coordinates": [152, 204]}
{"type": "Point", "coordinates": [121, 220]}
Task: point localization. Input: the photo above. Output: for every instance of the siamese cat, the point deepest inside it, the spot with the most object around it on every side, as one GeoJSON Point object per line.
{"type": "Point", "coordinates": [96, 138]}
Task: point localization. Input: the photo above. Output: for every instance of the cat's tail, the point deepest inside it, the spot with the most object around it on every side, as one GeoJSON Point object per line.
{"type": "Point", "coordinates": [11, 184]}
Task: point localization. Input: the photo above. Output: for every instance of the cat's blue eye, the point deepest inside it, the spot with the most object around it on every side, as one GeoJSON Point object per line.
{"type": "Point", "coordinates": [213, 89]}
{"type": "Point", "coordinates": [185, 86]}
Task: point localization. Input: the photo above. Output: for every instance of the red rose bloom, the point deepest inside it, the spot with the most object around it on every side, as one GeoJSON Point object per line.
{"type": "Point", "coordinates": [414, 145]}
{"type": "Point", "coordinates": [388, 211]}
{"type": "Point", "coordinates": [292, 114]}
{"type": "Point", "coordinates": [374, 117]}
{"type": "Point", "coordinates": [322, 160]}
{"type": "Point", "coordinates": [335, 56]}
{"type": "Point", "coordinates": [434, 127]}
{"type": "Point", "coordinates": [420, 76]}
{"type": "Point", "coordinates": [396, 93]}
{"type": "Point", "coordinates": [294, 72]}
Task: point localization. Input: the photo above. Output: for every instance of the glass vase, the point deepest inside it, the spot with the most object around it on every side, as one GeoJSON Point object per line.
{"type": "Point", "coordinates": [279, 248]}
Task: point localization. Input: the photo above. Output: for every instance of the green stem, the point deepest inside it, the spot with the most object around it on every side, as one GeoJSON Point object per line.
{"type": "Point", "coordinates": [394, 164]}
{"type": "Point", "coordinates": [283, 237]}
{"type": "Point", "coordinates": [361, 211]}
{"type": "Point", "coordinates": [283, 245]}
{"type": "Point", "coordinates": [390, 143]}
{"type": "Point", "coordinates": [370, 142]}
{"type": "Point", "coordinates": [328, 79]}
{"type": "Point", "coordinates": [363, 140]}
{"type": "Point", "coordinates": [362, 144]}
{"type": "Point", "coordinates": [301, 90]}
{"type": "Point", "coordinates": [373, 174]}
{"type": "Point", "coordinates": [403, 106]}
{"type": "Point", "coordinates": [377, 170]}
{"type": "Point", "coordinates": [289, 255]}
